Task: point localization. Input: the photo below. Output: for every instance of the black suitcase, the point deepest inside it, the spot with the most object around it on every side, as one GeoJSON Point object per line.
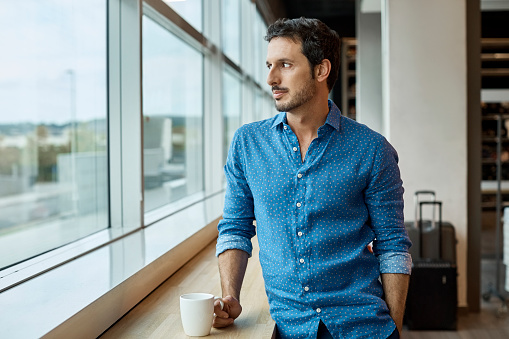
{"type": "Point", "coordinates": [430, 237]}
{"type": "Point", "coordinates": [433, 292]}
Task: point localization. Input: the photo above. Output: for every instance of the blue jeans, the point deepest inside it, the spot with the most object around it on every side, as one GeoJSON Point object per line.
{"type": "Point", "coordinates": [323, 333]}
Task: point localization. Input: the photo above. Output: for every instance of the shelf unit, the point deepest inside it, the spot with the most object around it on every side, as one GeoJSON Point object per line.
{"type": "Point", "coordinates": [495, 122]}
{"type": "Point", "coordinates": [348, 77]}
{"type": "Point", "coordinates": [495, 153]}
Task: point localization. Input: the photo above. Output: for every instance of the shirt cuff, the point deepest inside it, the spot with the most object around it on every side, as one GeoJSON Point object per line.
{"type": "Point", "coordinates": [395, 262]}
{"type": "Point", "coordinates": [230, 242]}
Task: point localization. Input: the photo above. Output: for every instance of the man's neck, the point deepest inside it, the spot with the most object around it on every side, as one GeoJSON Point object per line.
{"type": "Point", "coordinates": [306, 120]}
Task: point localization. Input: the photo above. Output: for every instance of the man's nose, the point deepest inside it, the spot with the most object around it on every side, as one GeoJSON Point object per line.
{"type": "Point", "coordinates": [273, 77]}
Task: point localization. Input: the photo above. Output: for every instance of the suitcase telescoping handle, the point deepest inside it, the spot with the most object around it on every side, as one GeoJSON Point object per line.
{"type": "Point", "coordinates": [433, 222]}
{"type": "Point", "coordinates": [416, 204]}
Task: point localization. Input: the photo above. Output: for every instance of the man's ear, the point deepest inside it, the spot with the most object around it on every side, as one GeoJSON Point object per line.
{"type": "Point", "coordinates": [322, 70]}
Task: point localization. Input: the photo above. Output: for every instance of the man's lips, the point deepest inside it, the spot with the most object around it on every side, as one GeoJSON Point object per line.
{"type": "Point", "coordinates": [278, 93]}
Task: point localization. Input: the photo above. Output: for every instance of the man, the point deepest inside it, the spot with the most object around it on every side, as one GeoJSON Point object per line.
{"type": "Point", "coordinates": [321, 187]}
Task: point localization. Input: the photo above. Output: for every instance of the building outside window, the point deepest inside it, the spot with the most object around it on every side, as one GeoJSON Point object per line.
{"type": "Point", "coordinates": [172, 117]}
{"type": "Point", "coordinates": [53, 125]}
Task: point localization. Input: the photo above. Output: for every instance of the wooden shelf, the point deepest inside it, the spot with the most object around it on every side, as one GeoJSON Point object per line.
{"type": "Point", "coordinates": [490, 186]}
{"type": "Point", "coordinates": [495, 72]}
{"type": "Point", "coordinates": [494, 204]}
{"type": "Point", "coordinates": [495, 139]}
{"type": "Point", "coordinates": [494, 42]}
{"type": "Point", "coordinates": [495, 57]}
{"type": "Point", "coordinates": [493, 161]}
{"type": "Point", "coordinates": [495, 116]}
{"type": "Point", "coordinates": [348, 76]}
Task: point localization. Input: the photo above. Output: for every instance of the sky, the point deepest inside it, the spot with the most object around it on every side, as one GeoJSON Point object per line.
{"type": "Point", "coordinates": [53, 60]}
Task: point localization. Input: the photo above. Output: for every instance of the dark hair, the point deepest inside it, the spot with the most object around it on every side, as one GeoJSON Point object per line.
{"type": "Point", "coordinates": [318, 42]}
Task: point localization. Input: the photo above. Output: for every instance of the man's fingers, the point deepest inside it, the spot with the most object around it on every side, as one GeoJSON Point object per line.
{"type": "Point", "coordinates": [221, 322]}
{"type": "Point", "coordinates": [225, 316]}
{"type": "Point", "coordinates": [219, 311]}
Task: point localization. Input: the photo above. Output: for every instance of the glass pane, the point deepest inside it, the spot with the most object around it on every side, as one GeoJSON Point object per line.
{"type": "Point", "coordinates": [232, 95]}
{"type": "Point", "coordinates": [190, 10]}
{"type": "Point", "coordinates": [53, 125]}
{"type": "Point", "coordinates": [261, 51]}
{"type": "Point", "coordinates": [259, 105]}
{"type": "Point", "coordinates": [258, 65]}
{"type": "Point", "coordinates": [172, 117]}
{"type": "Point", "coordinates": [230, 23]}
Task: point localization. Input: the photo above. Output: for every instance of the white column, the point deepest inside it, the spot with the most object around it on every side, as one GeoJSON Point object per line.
{"type": "Point", "coordinates": [369, 67]}
{"type": "Point", "coordinates": [425, 105]}
{"type": "Point", "coordinates": [125, 112]}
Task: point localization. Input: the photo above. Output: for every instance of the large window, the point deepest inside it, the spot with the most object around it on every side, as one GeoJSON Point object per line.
{"type": "Point", "coordinates": [115, 120]}
{"type": "Point", "coordinates": [260, 51]}
{"type": "Point", "coordinates": [53, 125]}
{"type": "Point", "coordinates": [230, 24]}
{"type": "Point", "coordinates": [172, 117]}
{"type": "Point", "coordinates": [232, 99]}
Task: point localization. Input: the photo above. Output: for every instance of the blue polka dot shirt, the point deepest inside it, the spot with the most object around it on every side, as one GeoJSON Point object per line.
{"type": "Point", "coordinates": [314, 220]}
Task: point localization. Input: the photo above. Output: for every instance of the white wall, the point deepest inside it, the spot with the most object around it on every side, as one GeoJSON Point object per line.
{"type": "Point", "coordinates": [425, 105]}
{"type": "Point", "coordinates": [369, 69]}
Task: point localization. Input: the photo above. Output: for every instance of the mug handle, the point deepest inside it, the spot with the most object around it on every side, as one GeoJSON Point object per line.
{"type": "Point", "coordinates": [220, 301]}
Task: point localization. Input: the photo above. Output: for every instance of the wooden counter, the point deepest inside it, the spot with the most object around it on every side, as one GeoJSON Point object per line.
{"type": "Point", "coordinates": [158, 315]}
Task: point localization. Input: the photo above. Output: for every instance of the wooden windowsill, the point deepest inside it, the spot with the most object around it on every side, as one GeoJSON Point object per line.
{"type": "Point", "coordinates": [157, 316]}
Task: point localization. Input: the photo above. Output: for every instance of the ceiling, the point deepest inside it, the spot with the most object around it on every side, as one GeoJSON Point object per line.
{"type": "Point", "coordinates": [340, 15]}
{"type": "Point", "coordinates": [337, 14]}
{"type": "Point", "coordinates": [319, 8]}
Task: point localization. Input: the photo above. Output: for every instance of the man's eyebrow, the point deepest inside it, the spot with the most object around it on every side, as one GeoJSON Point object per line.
{"type": "Point", "coordinates": [280, 60]}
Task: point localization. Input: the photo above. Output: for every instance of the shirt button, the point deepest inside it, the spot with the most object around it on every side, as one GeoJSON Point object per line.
{"type": "Point", "coordinates": [300, 234]}
{"type": "Point", "coordinates": [301, 261]}
{"type": "Point", "coordinates": [285, 127]}
{"type": "Point", "coordinates": [299, 204]}
{"type": "Point", "coordinates": [306, 288]}
{"type": "Point", "coordinates": [318, 310]}
{"type": "Point", "coordinates": [299, 175]}
{"type": "Point", "coordinates": [295, 149]}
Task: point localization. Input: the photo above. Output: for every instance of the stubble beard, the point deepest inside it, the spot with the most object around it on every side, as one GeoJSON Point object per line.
{"type": "Point", "coordinates": [301, 97]}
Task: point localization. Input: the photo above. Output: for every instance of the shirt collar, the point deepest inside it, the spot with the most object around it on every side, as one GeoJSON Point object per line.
{"type": "Point", "coordinates": [333, 118]}
{"type": "Point", "coordinates": [279, 119]}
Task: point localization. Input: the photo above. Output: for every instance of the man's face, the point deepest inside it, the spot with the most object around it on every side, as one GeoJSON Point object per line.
{"type": "Point", "coordinates": [289, 74]}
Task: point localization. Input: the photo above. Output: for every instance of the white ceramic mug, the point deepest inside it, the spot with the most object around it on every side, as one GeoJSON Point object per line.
{"type": "Point", "coordinates": [197, 313]}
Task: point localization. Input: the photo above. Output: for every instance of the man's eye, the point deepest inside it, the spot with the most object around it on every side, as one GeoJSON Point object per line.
{"type": "Point", "coordinates": [285, 64]}
{"type": "Point", "coordinates": [269, 66]}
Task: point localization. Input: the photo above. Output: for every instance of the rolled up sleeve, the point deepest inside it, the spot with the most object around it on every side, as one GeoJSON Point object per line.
{"type": "Point", "coordinates": [395, 263]}
{"type": "Point", "coordinates": [384, 199]}
{"type": "Point", "coordinates": [236, 228]}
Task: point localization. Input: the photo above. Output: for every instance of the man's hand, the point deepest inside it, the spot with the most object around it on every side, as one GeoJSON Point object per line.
{"type": "Point", "coordinates": [231, 310]}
